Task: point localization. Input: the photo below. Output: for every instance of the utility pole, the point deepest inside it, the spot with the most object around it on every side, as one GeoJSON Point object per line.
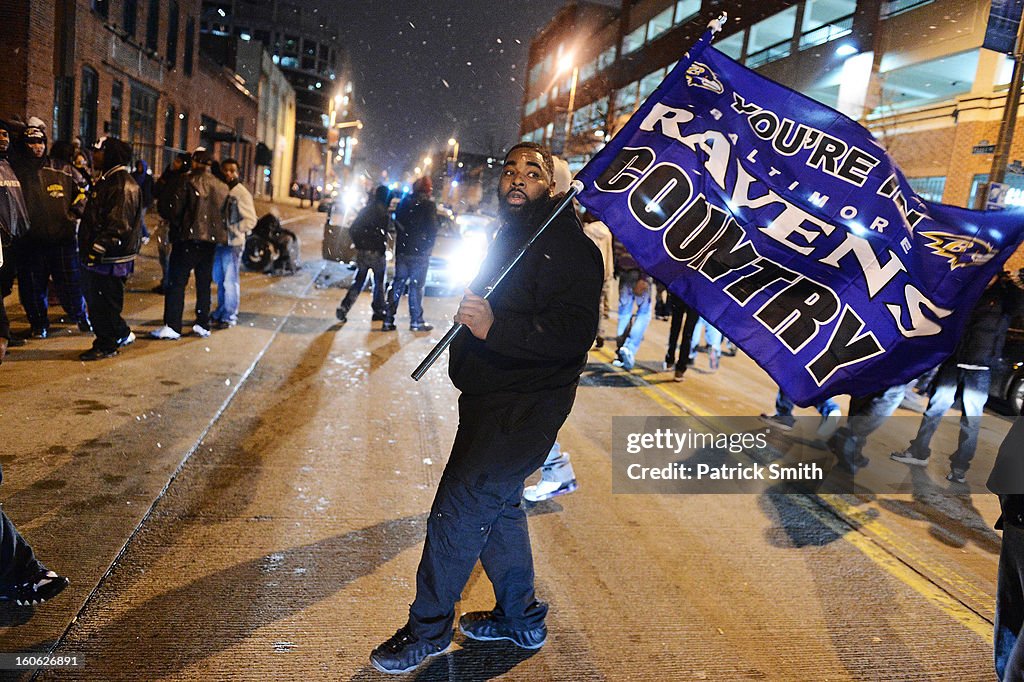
{"type": "Point", "coordinates": [1005, 141]}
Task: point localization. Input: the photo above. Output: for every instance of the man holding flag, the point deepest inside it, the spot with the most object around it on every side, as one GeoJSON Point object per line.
{"type": "Point", "coordinates": [517, 369]}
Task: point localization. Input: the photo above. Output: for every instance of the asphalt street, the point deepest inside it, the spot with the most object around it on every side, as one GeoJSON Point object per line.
{"type": "Point", "coordinates": [251, 506]}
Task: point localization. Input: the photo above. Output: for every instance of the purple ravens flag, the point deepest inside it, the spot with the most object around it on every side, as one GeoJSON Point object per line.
{"type": "Point", "coordinates": [789, 228]}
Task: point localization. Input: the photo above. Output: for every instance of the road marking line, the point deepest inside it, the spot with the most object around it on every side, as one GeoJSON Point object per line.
{"type": "Point", "coordinates": [870, 537]}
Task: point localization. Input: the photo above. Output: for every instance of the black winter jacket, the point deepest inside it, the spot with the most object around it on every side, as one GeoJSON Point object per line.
{"type": "Point", "coordinates": [112, 218]}
{"type": "Point", "coordinates": [985, 335]}
{"type": "Point", "coordinates": [55, 197]}
{"type": "Point", "coordinates": [200, 209]}
{"type": "Point", "coordinates": [417, 226]}
{"type": "Point", "coordinates": [545, 313]}
{"type": "Point", "coordinates": [13, 212]}
{"type": "Point", "coordinates": [369, 229]}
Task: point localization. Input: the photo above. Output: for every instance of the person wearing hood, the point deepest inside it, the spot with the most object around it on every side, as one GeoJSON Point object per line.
{"type": "Point", "coordinates": [144, 180]}
{"type": "Point", "coordinates": [109, 239]}
{"type": "Point", "coordinates": [13, 224]}
{"type": "Point", "coordinates": [55, 197]}
{"type": "Point", "coordinates": [228, 257]}
{"type": "Point", "coordinates": [416, 223]}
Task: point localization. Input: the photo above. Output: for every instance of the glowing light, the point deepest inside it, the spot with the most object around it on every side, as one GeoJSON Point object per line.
{"type": "Point", "coordinates": [846, 50]}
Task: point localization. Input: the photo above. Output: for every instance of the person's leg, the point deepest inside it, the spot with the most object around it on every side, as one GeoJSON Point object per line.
{"type": "Point", "coordinates": [104, 320]}
{"type": "Point", "coordinates": [378, 264]}
{"type": "Point", "coordinates": [18, 562]}
{"type": "Point", "coordinates": [398, 287]}
{"type": "Point", "coordinates": [182, 259]}
{"type": "Point", "coordinates": [219, 256]}
{"type": "Point", "coordinates": [626, 300]}
{"type": "Point", "coordinates": [33, 280]}
{"type": "Point", "coordinates": [66, 270]}
{"type": "Point", "coordinates": [417, 284]}
{"type": "Point", "coordinates": [701, 326]}
{"type": "Point", "coordinates": [204, 279]}
{"type": "Point", "coordinates": [714, 338]}
{"type": "Point", "coordinates": [783, 404]}
{"type": "Point", "coordinates": [232, 285]}
{"type": "Point", "coordinates": [684, 340]}
{"type": "Point", "coordinates": [974, 395]}
{"type": "Point", "coordinates": [352, 295]}
{"type": "Point", "coordinates": [643, 318]}
{"type": "Point", "coordinates": [941, 399]}
{"type": "Point", "coordinates": [1008, 649]}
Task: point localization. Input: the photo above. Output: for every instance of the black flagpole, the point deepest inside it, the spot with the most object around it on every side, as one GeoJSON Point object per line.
{"type": "Point", "coordinates": [446, 340]}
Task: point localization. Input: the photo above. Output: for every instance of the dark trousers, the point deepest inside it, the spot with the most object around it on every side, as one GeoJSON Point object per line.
{"type": "Point", "coordinates": [1009, 647]}
{"type": "Point", "coordinates": [185, 257]}
{"type": "Point", "coordinates": [38, 262]}
{"type": "Point", "coordinates": [106, 301]}
{"type": "Point", "coordinates": [477, 511]}
{"type": "Point", "coordinates": [680, 311]}
{"type": "Point", "coordinates": [411, 275]}
{"type": "Point", "coordinates": [18, 562]}
{"type": "Point", "coordinates": [365, 262]}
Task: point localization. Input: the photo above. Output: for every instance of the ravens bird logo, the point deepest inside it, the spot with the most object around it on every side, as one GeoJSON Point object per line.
{"type": "Point", "coordinates": [701, 76]}
{"type": "Point", "coordinates": [958, 250]}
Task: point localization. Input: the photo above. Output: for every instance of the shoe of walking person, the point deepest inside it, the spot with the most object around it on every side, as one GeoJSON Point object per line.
{"type": "Point", "coordinates": [165, 333]}
{"type": "Point", "coordinates": [94, 354]}
{"type": "Point", "coordinates": [200, 331]}
{"type": "Point", "coordinates": [780, 421]}
{"type": "Point", "coordinates": [43, 586]}
{"type": "Point", "coordinates": [126, 341]}
{"type": "Point", "coordinates": [545, 490]}
{"type": "Point", "coordinates": [908, 456]}
{"type": "Point", "coordinates": [403, 652]}
{"type": "Point", "coordinates": [626, 360]}
{"type": "Point", "coordinates": [421, 327]}
{"type": "Point", "coordinates": [829, 424]}
{"type": "Point", "coordinates": [957, 476]}
{"type": "Point", "coordinates": [484, 627]}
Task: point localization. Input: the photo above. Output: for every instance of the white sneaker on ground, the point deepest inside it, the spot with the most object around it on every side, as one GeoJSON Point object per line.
{"type": "Point", "coordinates": [127, 341]}
{"type": "Point", "coordinates": [829, 424]}
{"type": "Point", "coordinates": [545, 490]}
{"type": "Point", "coordinates": [200, 330]}
{"type": "Point", "coordinates": [165, 333]}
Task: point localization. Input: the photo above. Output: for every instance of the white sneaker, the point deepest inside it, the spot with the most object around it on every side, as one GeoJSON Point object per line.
{"type": "Point", "coordinates": [829, 424]}
{"type": "Point", "coordinates": [165, 333]}
{"type": "Point", "coordinates": [128, 340]}
{"type": "Point", "coordinates": [545, 490]}
{"type": "Point", "coordinates": [199, 330]}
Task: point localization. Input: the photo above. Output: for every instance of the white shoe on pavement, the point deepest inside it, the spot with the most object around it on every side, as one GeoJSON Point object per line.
{"type": "Point", "coordinates": [165, 333]}
{"type": "Point", "coordinates": [127, 341]}
{"type": "Point", "coordinates": [545, 490]}
{"type": "Point", "coordinates": [200, 330]}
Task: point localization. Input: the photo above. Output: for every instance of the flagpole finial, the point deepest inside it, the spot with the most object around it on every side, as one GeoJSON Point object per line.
{"type": "Point", "coordinates": [716, 24]}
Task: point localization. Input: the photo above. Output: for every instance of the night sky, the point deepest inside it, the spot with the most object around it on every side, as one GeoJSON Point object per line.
{"type": "Point", "coordinates": [428, 71]}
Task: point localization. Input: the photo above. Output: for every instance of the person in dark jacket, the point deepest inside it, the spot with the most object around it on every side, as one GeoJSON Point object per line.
{"type": "Point", "coordinates": [13, 224]}
{"type": "Point", "coordinates": [517, 365]}
{"type": "Point", "coordinates": [164, 191]}
{"type": "Point", "coordinates": [967, 372]}
{"type": "Point", "coordinates": [416, 222]}
{"type": "Point", "coordinates": [198, 224]}
{"type": "Point", "coordinates": [109, 239]}
{"type": "Point", "coordinates": [55, 197]}
{"type": "Point", "coordinates": [369, 234]}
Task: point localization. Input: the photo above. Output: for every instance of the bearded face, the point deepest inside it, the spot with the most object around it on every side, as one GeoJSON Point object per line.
{"type": "Point", "coordinates": [525, 183]}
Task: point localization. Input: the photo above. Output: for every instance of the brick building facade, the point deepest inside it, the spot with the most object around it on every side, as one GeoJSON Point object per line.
{"type": "Point", "coordinates": [123, 68]}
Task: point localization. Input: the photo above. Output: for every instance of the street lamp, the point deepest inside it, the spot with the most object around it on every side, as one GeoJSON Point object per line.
{"type": "Point", "coordinates": [452, 142]}
{"type": "Point", "coordinates": [564, 64]}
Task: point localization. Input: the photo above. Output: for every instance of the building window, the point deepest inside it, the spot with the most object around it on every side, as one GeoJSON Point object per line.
{"type": "Point", "coordinates": [183, 130]}
{"type": "Point", "coordinates": [930, 188]}
{"type": "Point", "coordinates": [142, 122]}
{"type": "Point", "coordinates": [63, 107]}
{"type": "Point", "coordinates": [129, 16]}
{"type": "Point", "coordinates": [936, 80]}
{"type": "Point", "coordinates": [87, 106]}
{"type": "Point", "coordinates": [891, 8]}
{"type": "Point", "coordinates": [686, 9]}
{"type": "Point", "coordinates": [606, 58]}
{"type": "Point", "coordinates": [101, 7]}
{"type": "Point", "coordinates": [650, 82]}
{"type": "Point", "coordinates": [826, 20]}
{"type": "Point", "coordinates": [634, 40]}
{"type": "Point", "coordinates": [732, 46]}
{"type": "Point", "coordinates": [153, 25]}
{"type": "Point", "coordinates": [172, 34]}
{"type": "Point", "coordinates": [190, 39]}
{"type": "Point", "coordinates": [659, 24]}
{"type": "Point", "coordinates": [625, 99]}
{"type": "Point", "coordinates": [116, 107]}
{"type": "Point", "coordinates": [771, 38]}
{"type": "Point", "coordinates": [169, 121]}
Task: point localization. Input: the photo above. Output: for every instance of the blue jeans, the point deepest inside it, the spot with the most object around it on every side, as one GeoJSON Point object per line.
{"type": "Point", "coordinates": [972, 385]}
{"type": "Point", "coordinates": [226, 261]}
{"type": "Point", "coordinates": [784, 405]}
{"type": "Point", "coordinates": [411, 275]}
{"type": "Point", "coordinates": [627, 301]}
{"type": "Point", "coordinates": [713, 338]}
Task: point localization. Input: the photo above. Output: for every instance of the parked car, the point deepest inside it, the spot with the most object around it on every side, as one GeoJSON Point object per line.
{"type": "Point", "coordinates": [1007, 383]}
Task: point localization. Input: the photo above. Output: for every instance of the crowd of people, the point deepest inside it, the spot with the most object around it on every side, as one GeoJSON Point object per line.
{"type": "Point", "coordinates": [73, 219]}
